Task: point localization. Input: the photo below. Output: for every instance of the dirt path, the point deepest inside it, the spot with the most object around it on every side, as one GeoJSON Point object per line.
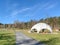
{"type": "Point", "coordinates": [22, 39]}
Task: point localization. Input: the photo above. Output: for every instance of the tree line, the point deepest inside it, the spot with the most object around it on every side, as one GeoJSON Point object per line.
{"type": "Point", "coordinates": [54, 22]}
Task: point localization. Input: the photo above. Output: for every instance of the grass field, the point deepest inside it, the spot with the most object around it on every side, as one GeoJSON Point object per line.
{"type": "Point", "coordinates": [7, 37]}
{"type": "Point", "coordinates": [48, 39]}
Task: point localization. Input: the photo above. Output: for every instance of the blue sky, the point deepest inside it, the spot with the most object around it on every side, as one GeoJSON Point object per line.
{"type": "Point", "coordinates": [26, 10]}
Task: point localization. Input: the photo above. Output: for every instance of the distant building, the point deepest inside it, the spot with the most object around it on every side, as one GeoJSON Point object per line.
{"type": "Point", "coordinates": [40, 27]}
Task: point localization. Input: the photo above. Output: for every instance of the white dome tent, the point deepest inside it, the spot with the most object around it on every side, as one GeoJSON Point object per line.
{"type": "Point", "coordinates": [40, 26]}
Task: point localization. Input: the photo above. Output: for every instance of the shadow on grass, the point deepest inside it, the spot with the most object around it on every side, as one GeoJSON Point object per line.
{"type": "Point", "coordinates": [7, 39]}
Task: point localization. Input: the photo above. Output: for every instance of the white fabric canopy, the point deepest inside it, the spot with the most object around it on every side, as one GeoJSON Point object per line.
{"type": "Point", "coordinates": [39, 26]}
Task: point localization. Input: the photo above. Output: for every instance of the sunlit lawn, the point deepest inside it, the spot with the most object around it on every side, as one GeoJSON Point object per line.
{"type": "Point", "coordinates": [7, 37]}
{"type": "Point", "coordinates": [48, 39]}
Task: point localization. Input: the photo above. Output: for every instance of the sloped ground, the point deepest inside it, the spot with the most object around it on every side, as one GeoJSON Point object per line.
{"type": "Point", "coordinates": [22, 39]}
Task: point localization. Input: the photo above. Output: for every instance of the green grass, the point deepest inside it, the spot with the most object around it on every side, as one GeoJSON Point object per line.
{"type": "Point", "coordinates": [7, 37]}
{"type": "Point", "coordinates": [48, 39]}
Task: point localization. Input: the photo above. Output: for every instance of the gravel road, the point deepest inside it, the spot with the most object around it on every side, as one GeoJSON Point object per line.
{"type": "Point", "coordinates": [22, 39]}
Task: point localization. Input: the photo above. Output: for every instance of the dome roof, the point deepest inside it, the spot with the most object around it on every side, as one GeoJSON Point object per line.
{"type": "Point", "coordinates": [40, 26]}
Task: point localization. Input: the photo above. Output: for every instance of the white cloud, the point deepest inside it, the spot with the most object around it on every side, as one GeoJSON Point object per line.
{"type": "Point", "coordinates": [47, 5]}
{"type": "Point", "coordinates": [39, 7]}
{"type": "Point", "coordinates": [25, 9]}
{"type": "Point", "coordinates": [44, 5]}
{"type": "Point", "coordinates": [50, 6]}
{"type": "Point", "coordinates": [32, 10]}
{"type": "Point", "coordinates": [15, 13]}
